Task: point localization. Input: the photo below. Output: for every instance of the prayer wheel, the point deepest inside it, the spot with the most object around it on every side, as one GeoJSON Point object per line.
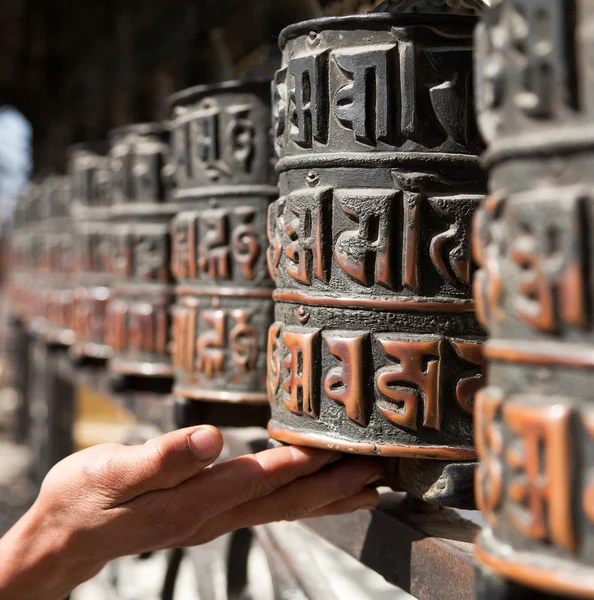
{"type": "Point", "coordinates": [224, 181]}
{"type": "Point", "coordinates": [533, 241]}
{"type": "Point", "coordinates": [90, 180]}
{"type": "Point", "coordinates": [141, 282]}
{"type": "Point", "coordinates": [375, 348]}
{"type": "Point", "coordinates": [57, 263]}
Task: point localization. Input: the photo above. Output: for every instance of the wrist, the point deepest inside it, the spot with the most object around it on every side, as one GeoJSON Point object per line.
{"type": "Point", "coordinates": [37, 561]}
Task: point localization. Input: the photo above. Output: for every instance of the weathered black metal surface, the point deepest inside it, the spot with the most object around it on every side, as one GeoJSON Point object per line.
{"type": "Point", "coordinates": [90, 176]}
{"type": "Point", "coordinates": [224, 182]}
{"type": "Point", "coordinates": [533, 240]}
{"type": "Point", "coordinates": [140, 277]}
{"type": "Point", "coordinates": [375, 348]}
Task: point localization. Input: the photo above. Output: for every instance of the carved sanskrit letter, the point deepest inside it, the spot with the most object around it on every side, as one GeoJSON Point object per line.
{"type": "Point", "coordinates": [363, 104]}
{"type": "Point", "coordinates": [542, 48]}
{"type": "Point", "coordinates": [244, 242]}
{"type": "Point", "coordinates": [366, 254]}
{"type": "Point", "coordinates": [300, 385]}
{"type": "Point", "coordinates": [206, 140]}
{"type": "Point", "coordinates": [466, 388]}
{"type": "Point", "coordinates": [540, 457]}
{"type": "Point", "coordinates": [273, 361]}
{"type": "Point", "coordinates": [211, 344]}
{"type": "Point", "coordinates": [183, 251]}
{"type": "Point", "coordinates": [450, 249]}
{"type": "Point", "coordinates": [304, 230]}
{"type": "Point", "coordinates": [489, 446]}
{"type": "Point", "coordinates": [240, 136]}
{"type": "Point", "coordinates": [345, 384]}
{"type": "Point", "coordinates": [213, 250]}
{"type": "Point", "coordinates": [308, 100]}
{"type": "Point", "coordinates": [488, 242]}
{"type": "Point", "coordinates": [275, 228]}
{"type": "Point", "coordinates": [549, 255]}
{"type": "Point", "coordinates": [419, 368]}
{"type": "Point", "coordinates": [184, 330]}
{"type": "Point", "coordinates": [243, 339]}
{"type": "Point", "coordinates": [151, 257]}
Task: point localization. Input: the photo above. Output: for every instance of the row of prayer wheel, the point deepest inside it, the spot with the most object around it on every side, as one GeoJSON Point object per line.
{"type": "Point", "coordinates": [337, 281]}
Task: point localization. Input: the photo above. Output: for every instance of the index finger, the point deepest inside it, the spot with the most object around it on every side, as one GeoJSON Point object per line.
{"type": "Point", "coordinates": [233, 482]}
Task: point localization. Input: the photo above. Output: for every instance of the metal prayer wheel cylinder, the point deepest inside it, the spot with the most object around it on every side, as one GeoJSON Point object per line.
{"type": "Point", "coordinates": [375, 347]}
{"type": "Point", "coordinates": [57, 263]}
{"type": "Point", "coordinates": [90, 180]}
{"type": "Point", "coordinates": [224, 182]}
{"type": "Point", "coordinates": [533, 241]}
{"type": "Point", "coordinates": [141, 282]}
{"type": "Point", "coordinates": [19, 256]}
{"type": "Point", "coordinates": [35, 276]}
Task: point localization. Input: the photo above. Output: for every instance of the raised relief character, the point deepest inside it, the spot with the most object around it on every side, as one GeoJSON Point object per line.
{"type": "Point", "coordinates": [450, 249]}
{"type": "Point", "coordinates": [275, 226]}
{"type": "Point", "coordinates": [306, 218]}
{"type": "Point", "coordinates": [213, 250]}
{"type": "Point", "coordinates": [539, 488]}
{"type": "Point", "coordinates": [308, 99]}
{"type": "Point", "coordinates": [412, 382]}
{"type": "Point", "coordinates": [240, 134]}
{"type": "Point", "coordinates": [183, 247]}
{"type": "Point", "coordinates": [488, 434]}
{"type": "Point", "coordinates": [549, 256]}
{"type": "Point", "coordinates": [346, 383]}
{"type": "Point", "coordinates": [183, 338]}
{"type": "Point", "coordinates": [205, 127]}
{"type": "Point", "coordinates": [366, 254]}
{"type": "Point", "coordinates": [467, 386]}
{"type": "Point", "coordinates": [244, 242]}
{"type": "Point", "coordinates": [300, 393]}
{"type": "Point", "coordinates": [151, 257]}
{"type": "Point", "coordinates": [489, 241]}
{"type": "Point", "coordinates": [273, 361]}
{"type": "Point", "coordinates": [243, 341]}
{"type": "Point", "coordinates": [363, 103]}
{"type": "Point", "coordinates": [211, 345]}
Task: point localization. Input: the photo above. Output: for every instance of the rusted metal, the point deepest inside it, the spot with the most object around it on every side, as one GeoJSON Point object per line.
{"type": "Point", "coordinates": [375, 347]}
{"type": "Point", "coordinates": [224, 181]}
{"type": "Point", "coordinates": [534, 423]}
{"type": "Point", "coordinates": [140, 277]}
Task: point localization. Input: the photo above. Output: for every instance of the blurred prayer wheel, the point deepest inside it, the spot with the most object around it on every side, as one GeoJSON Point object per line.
{"type": "Point", "coordinates": [141, 282]}
{"type": "Point", "coordinates": [224, 181]}
{"type": "Point", "coordinates": [375, 347]}
{"type": "Point", "coordinates": [89, 176]}
{"type": "Point", "coordinates": [57, 263]}
{"type": "Point", "coordinates": [533, 241]}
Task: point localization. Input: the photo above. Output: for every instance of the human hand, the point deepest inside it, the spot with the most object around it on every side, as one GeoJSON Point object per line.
{"type": "Point", "coordinates": [112, 500]}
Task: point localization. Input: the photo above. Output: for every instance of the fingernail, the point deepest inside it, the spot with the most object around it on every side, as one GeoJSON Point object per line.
{"type": "Point", "coordinates": [205, 442]}
{"type": "Point", "coordinates": [368, 507]}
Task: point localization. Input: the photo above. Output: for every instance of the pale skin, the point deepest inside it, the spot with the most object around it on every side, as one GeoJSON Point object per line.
{"type": "Point", "coordinates": [110, 501]}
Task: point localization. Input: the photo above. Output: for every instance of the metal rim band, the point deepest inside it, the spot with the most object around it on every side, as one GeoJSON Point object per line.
{"type": "Point", "coordinates": [140, 368]}
{"type": "Point", "coordinates": [393, 159]}
{"type": "Point", "coordinates": [327, 442]}
{"type": "Point", "coordinates": [220, 396]}
{"type": "Point", "coordinates": [383, 304]}
{"type": "Point", "coordinates": [557, 581]}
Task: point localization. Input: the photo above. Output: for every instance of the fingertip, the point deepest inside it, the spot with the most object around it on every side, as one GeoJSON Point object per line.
{"type": "Point", "coordinates": [206, 442]}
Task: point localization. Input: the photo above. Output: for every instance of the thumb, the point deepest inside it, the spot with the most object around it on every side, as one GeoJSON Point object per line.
{"type": "Point", "coordinates": [165, 461]}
